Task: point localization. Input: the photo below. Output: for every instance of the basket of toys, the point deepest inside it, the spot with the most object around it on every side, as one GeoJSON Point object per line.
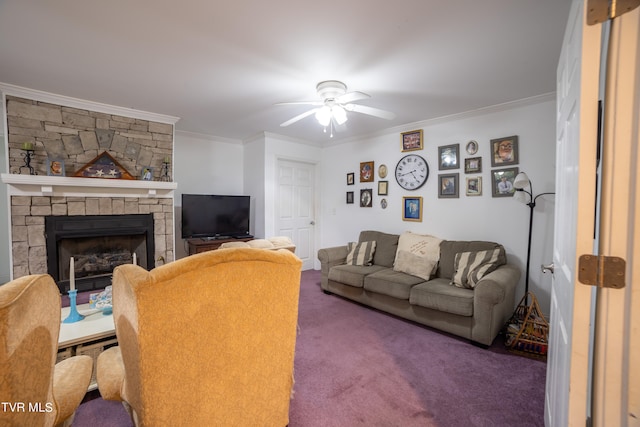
{"type": "Point", "coordinates": [528, 331]}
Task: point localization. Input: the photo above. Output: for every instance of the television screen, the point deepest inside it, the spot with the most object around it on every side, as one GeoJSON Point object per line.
{"type": "Point", "coordinates": [220, 216]}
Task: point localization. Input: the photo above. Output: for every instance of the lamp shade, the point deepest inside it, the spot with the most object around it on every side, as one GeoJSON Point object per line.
{"type": "Point", "coordinates": [339, 114]}
{"type": "Point", "coordinates": [520, 196]}
{"type": "Point", "coordinates": [521, 181]}
{"type": "Point", "coordinates": [323, 115]}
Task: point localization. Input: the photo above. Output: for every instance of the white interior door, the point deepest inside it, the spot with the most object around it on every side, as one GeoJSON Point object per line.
{"type": "Point", "coordinates": [295, 209]}
{"type": "Point", "coordinates": [576, 132]}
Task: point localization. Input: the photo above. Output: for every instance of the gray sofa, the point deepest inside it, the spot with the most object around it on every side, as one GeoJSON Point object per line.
{"type": "Point", "coordinates": [476, 314]}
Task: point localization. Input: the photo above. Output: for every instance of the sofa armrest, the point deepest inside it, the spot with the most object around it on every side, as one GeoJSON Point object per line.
{"type": "Point", "coordinates": [493, 302]}
{"type": "Point", "coordinates": [330, 257]}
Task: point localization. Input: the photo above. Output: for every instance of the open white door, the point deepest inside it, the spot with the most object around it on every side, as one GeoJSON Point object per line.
{"type": "Point", "coordinates": [576, 132]}
{"type": "Point", "coordinates": [295, 208]}
{"type": "Point", "coordinates": [616, 312]}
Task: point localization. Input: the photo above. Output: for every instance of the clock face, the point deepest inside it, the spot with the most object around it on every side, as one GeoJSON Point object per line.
{"type": "Point", "coordinates": [412, 172]}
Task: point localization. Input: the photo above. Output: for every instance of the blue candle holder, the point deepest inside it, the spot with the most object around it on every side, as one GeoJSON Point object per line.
{"type": "Point", "coordinates": [74, 316]}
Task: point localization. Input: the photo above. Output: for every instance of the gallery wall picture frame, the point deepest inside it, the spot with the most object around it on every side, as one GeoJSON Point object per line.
{"type": "Point", "coordinates": [448, 186]}
{"type": "Point", "coordinates": [349, 197]}
{"type": "Point", "coordinates": [474, 186]}
{"type": "Point", "coordinates": [448, 157]}
{"type": "Point", "coordinates": [383, 188]}
{"type": "Point", "coordinates": [55, 167]}
{"type": "Point", "coordinates": [412, 208]}
{"type": "Point", "coordinates": [382, 171]}
{"type": "Point", "coordinates": [351, 178]}
{"type": "Point", "coordinates": [502, 182]}
{"type": "Point", "coordinates": [472, 147]}
{"type": "Point", "coordinates": [473, 165]}
{"type": "Point", "coordinates": [366, 198]}
{"type": "Point", "coordinates": [504, 151]}
{"type": "Point", "coordinates": [412, 140]}
{"type": "Point", "coordinates": [366, 171]}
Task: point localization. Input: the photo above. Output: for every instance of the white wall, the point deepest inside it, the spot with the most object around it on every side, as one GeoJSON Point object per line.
{"type": "Point", "coordinates": [204, 165]}
{"type": "Point", "coordinates": [467, 218]}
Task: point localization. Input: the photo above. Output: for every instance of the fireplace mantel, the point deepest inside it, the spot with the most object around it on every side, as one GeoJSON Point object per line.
{"type": "Point", "coordinates": [36, 185]}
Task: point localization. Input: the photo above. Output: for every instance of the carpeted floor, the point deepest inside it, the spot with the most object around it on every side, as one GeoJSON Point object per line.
{"type": "Point", "coordinates": [356, 366]}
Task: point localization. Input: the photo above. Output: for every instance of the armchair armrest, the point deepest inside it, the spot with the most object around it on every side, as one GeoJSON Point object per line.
{"type": "Point", "coordinates": [330, 257]}
{"type": "Point", "coordinates": [71, 379]}
{"type": "Point", "coordinates": [110, 374]}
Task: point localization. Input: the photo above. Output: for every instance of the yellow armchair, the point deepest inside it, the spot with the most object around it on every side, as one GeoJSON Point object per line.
{"type": "Point", "coordinates": [207, 340]}
{"type": "Point", "coordinates": [34, 390]}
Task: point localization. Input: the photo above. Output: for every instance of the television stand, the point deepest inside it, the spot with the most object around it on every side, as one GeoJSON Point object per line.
{"type": "Point", "coordinates": [199, 245]}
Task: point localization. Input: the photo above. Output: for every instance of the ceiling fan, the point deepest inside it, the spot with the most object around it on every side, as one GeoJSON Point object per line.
{"type": "Point", "coordinates": [335, 104]}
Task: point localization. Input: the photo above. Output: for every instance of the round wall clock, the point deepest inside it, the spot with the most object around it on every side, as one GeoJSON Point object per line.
{"type": "Point", "coordinates": [412, 172]}
{"type": "Point", "coordinates": [382, 171]}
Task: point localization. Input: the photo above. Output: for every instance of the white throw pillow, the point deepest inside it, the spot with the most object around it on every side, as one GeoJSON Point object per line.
{"type": "Point", "coordinates": [417, 254]}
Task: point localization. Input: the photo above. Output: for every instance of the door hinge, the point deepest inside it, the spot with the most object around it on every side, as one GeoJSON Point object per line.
{"type": "Point", "coordinates": [602, 271]}
{"type": "Point", "coordinates": [599, 11]}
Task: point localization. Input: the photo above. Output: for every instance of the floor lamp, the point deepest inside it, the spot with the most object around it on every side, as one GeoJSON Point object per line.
{"type": "Point", "coordinates": [520, 183]}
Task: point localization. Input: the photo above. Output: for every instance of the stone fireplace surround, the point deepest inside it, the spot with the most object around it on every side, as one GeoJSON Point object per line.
{"type": "Point", "coordinates": [76, 131]}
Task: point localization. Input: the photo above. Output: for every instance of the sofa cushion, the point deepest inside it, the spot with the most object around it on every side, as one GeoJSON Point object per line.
{"type": "Point", "coordinates": [360, 253]}
{"type": "Point", "coordinates": [417, 254]}
{"type": "Point", "coordinates": [438, 294]}
{"type": "Point", "coordinates": [449, 249]}
{"type": "Point", "coordinates": [473, 266]}
{"type": "Point", "coordinates": [392, 283]}
{"type": "Point", "coordinates": [386, 246]}
{"type": "Point", "coordinates": [352, 275]}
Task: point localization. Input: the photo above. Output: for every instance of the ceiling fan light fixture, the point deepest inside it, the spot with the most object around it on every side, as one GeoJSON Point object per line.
{"type": "Point", "coordinates": [323, 115]}
{"type": "Point", "coordinates": [339, 114]}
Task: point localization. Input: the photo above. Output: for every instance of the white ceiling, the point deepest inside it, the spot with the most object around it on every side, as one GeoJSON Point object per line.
{"type": "Point", "coordinates": [221, 66]}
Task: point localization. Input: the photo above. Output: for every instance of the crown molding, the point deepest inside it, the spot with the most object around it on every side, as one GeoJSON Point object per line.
{"type": "Point", "coordinates": [82, 104]}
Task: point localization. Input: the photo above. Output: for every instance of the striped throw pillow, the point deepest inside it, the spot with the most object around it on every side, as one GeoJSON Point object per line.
{"type": "Point", "coordinates": [470, 267]}
{"type": "Point", "coordinates": [360, 253]}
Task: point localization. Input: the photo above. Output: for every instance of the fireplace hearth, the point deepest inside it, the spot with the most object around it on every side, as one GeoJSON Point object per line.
{"type": "Point", "coordinates": [98, 244]}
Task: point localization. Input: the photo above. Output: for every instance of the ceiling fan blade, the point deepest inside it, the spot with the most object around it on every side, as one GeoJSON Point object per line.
{"type": "Point", "coordinates": [352, 96]}
{"type": "Point", "coordinates": [300, 103]}
{"type": "Point", "coordinates": [376, 112]}
{"type": "Point", "coordinates": [299, 117]}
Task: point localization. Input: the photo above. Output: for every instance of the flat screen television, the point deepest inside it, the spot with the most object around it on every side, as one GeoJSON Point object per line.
{"type": "Point", "coordinates": [215, 216]}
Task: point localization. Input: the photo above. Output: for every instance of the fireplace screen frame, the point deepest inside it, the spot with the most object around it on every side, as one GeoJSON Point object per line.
{"type": "Point", "coordinates": [59, 228]}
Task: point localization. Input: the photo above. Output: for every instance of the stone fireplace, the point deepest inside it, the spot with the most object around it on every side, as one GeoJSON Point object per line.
{"type": "Point", "coordinates": [73, 132]}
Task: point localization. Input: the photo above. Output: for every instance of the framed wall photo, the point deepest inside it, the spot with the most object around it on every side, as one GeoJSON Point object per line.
{"type": "Point", "coordinates": [473, 165]}
{"type": "Point", "coordinates": [366, 171]}
{"type": "Point", "coordinates": [366, 198]}
{"type": "Point", "coordinates": [504, 151]}
{"type": "Point", "coordinates": [474, 186]}
{"type": "Point", "coordinates": [502, 182]}
{"type": "Point", "coordinates": [349, 197]}
{"type": "Point", "coordinates": [351, 178]}
{"type": "Point", "coordinates": [412, 209]}
{"type": "Point", "coordinates": [383, 188]}
{"type": "Point", "coordinates": [449, 155]}
{"type": "Point", "coordinates": [472, 147]}
{"type": "Point", "coordinates": [448, 186]}
{"type": "Point", "coordinates": [412, 140]}
{"type": "Point", "coordinates": [146, 174]}
{"type": "Point", "coordinates": [55, 167]}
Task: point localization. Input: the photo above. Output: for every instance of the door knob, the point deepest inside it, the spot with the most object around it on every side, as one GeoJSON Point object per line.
{"type": "Point", "coordinates": [312, 223]}
{"type": "Point", "coordinates": [548, 267]}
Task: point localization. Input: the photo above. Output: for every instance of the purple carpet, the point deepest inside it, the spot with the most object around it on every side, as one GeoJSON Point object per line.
{"type": "Point", "coordinates": [356, 366]}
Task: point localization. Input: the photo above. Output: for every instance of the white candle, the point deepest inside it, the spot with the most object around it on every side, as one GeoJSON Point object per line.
{"type": "Point", "coordinates": [72, 274]}
{"type": "Point", "coordinates": [135, 259]}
